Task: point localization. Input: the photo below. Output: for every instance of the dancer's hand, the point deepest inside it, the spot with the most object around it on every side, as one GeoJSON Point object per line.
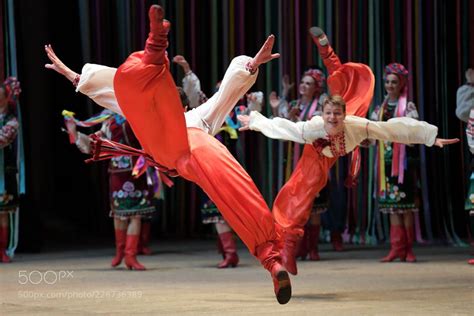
{"type": "Point", "coordinates": [244, 121]}
{"type": "Point", "coordinates": [274, 100]}
{"type": "Point", "coordinates": [180, 60]}
{"type": "Point", "coordinates": [57, 65]}
{"type": "Point", "coordinates": [294, 114]}
{"type": "Point", "coordinates": [251, 97]}
{"type": "Point", "coordinates": [440, 142]}
{"type": "Point", "coordinates": [470, 75]}
{"type": "Point", "coordinates": [264, 55]}
{"type": "Point", "coordinates": [287, 86]}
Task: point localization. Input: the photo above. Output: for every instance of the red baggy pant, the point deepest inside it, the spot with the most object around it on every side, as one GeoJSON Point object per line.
{"type": "Point", "coordinates": [149, 100]}
{"type": "Point", "coordinates": [292, 206]}
{"type": "Point", "coordinates": [355, 83]}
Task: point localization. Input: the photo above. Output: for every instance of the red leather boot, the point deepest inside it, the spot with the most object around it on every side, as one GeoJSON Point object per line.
{"type": "Point", "coordinates": [336, 240]}
{"type": "Point", "coordinates": [120, 239]}
{"type": "Point", "coordinates": [4, 244]}
{"type": "Point", "coordinates": [144, 239]}
{"type": "Point", "coordinates": [313, 241]}
{"type": "Point", "coordinates": [157, 42]}
{"type": "Point", "coordinates": [268, 255]}
{"type": "Point", "coordinates": [131, 248]}
{"type": "Point", "coordinates": [470, 261]}
{"type": "Point", "coordinates": [302, 249]}
{"type": "Point", "coordinates": [288, 252]}
{"type": "Point", "coordinates": [231, 259]}
{"type": "Point", "coordinates": [220, 249]}
{"type": "Point", "coordinates": [410, 232]}
{"type": "Point", "coordinates": [397, 244]}
{"type": "Point", "coordinates": [320, 39]}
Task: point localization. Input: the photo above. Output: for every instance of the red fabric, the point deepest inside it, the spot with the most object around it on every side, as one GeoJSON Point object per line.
{"type": "Point", "coordinates": [398, 241]}
{"type": "Point", "coordinates": [4, 238]}
{"type": "Point", "coordinates": [131, 250]}
{"type": "Point", "coordinates": [150, 102]}
{"type": "Point", "coordinates": [293, 203]}
{"type": "Point", "coordinates": [230, 251]}
{"type": "Point", "coordinates": [120, 240]}
{"type": "Point", "coordinates": [355, 84]}
{"type": "Point", "coordinates": [410, 233]}
{"type": "Point", "coordinates": [215, 170]}
{"type": "Point", "coordinates": [268, 255]}
{"type": "Point", "coordinates": [313, 241]}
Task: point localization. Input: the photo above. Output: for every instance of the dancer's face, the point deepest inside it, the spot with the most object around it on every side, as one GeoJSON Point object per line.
{"type": "Point", "coordinates": [307, 87]}
{"type": "Point", "coordinates": [393, 85]}
{"type": "Point", "coordinates": [333, 116]}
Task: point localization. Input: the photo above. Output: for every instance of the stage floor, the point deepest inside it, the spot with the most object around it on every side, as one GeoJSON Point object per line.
{"type": "Point", "coordinates": [181, 280]}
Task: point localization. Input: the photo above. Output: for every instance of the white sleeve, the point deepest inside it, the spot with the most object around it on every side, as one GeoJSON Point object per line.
{"type": "Point", "coordinates": [470, 131]}
{"type": "Point", "coordinates": [257, 105]}
{"type": "Point", "coordinates": [83, 143]}
{"type": "Point", "coordinates": [280, 128]}
{"type": "Point", "coordinates": [237, 81]}
{"type": "Point", "coordinates": [464, 102]}
{"type": "Point", "coordinates": [97, 82]}
{"type": "Point", "coordinates": [283, 108]}
{"type": "Point", "coordinates": [403, 130]}
{"type": "Point", "coordinates": [192, 88]}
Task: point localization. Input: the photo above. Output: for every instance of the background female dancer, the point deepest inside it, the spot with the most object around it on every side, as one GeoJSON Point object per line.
{"type": "Point", "coordinates": [130, 197]}
{"type": "Point", "coordinates": [397, 168]}
{"type": "Point", "coordinates": [9, 91]}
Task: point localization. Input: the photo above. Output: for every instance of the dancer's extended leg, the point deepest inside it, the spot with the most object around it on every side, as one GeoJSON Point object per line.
{"type": "Point", "coordinates": [149, 99]}
{"type": "Point", "coordinates": [216, 171]}
{"type": "Point", "coordinates": [293, 203]}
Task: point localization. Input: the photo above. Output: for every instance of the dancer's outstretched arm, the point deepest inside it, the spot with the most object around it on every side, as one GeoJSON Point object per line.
{"type": "Point", "coordinates": [239, 77]}
{"type": "Point", "coordinates": [281, 128]}
{"type": "Point", "coordinates": [58, 66]}
{"type": "Point", "coordinates": [404, 130]}
{"type": "Point", "coordinates": [191, 83]}
{"type": "Point", "coordinates": [95, 81]}
{"type": "Point", "coordinates": [401, 130]}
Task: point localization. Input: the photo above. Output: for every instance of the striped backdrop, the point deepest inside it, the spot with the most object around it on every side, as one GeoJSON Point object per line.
{"type": "Point", "coordinates": [433, 39]}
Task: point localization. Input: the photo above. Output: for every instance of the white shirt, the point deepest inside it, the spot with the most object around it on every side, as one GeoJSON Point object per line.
{"type": "Point", "coordinates": [356, 129]}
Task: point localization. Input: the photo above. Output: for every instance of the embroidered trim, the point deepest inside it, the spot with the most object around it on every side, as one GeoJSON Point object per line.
{"type": "Point", "coordinates": [76, 79]}
{"type": "Point", "coordinates": [337, 144]}
{"type": "Point", "coordinates": [249, 68]}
